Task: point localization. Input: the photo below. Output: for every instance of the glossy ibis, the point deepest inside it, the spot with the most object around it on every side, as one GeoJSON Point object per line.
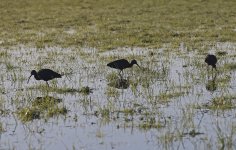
{"type": "Point", "coordinates": [211, 60]}
{"type": "Point", "coordinates": [45, 75]}
{"type": "Point", "coordinates": [122, 64]}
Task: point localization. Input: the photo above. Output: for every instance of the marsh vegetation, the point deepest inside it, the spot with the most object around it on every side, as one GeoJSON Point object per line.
{"type": "Point", "coordinates": [174, 101]}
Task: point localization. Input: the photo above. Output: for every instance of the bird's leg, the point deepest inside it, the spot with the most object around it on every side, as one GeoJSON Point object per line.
{"type": "Point", "coordinates": [216, 70]}
{"type": "Point", "coordinates": [212, 75]}
{"type": "Point", "coordinates": [120, 73]}
{"type": "Point", "coordinates": [211, 70]}
{"type": "Point", "coordinates": [208, 72]}
{"type": "Point", "coordinates": [214, 83]}
{"type": "Point", "coordinates": [47, 83]}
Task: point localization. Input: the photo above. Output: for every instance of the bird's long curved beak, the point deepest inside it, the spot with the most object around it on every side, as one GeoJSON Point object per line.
{"type": "Point", "coordinates": [28, 79]}
{"type": "Point", "coordinates": [138, 66]}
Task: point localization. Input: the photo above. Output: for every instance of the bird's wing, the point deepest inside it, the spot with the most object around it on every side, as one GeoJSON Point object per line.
{"type": "Point", "coordinates": [118, 64]}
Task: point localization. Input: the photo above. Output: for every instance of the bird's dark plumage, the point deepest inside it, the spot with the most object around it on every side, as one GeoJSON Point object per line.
{"type": "Point", "coordinates": [211, 60]}
{"type": "Point", "coordinates": [122, 64]}
{"type": "Point", "coordinates": [44, 74]}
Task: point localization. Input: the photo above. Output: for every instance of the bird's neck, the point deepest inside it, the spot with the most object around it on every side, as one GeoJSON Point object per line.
{"type": "Point", "coordinates": [36, 77]}
{"type": "Point", "coordinates": [130, 65]}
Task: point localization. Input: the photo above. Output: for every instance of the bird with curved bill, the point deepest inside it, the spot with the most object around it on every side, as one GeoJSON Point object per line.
{"type": "Point", "coordinates": [45, 75]}
{"type": "Point", "coordinates": [211, 60]}
{"type": "Point", "coordinates": [122, 64]}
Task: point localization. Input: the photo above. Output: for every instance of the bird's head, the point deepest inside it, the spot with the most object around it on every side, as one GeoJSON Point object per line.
{"type": "Point", "coordinates": [33, 72]}
{"type": "Point", "coordinates": [134, 62]}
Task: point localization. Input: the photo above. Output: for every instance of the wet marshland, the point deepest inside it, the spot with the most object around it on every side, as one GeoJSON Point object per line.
{"type": "Point", "coordinates": [173, 101]}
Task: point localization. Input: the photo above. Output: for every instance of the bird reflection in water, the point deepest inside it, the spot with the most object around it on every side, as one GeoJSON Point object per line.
{"type": "Point", "coordinates": [211, 84]}
{"type": "Point", "coordinates": [119, 83]}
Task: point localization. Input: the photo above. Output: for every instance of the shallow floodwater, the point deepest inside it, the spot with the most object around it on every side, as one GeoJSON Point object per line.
{"type": "Point", "coordinates": [164, 105]}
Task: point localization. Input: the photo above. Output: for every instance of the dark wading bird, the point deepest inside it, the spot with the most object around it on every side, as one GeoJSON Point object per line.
{"type": "Point", "coordinates": [122, 64]}
{"type": "Point", "coordinates": [45, 75]}
{"type": "Point", "coordinates": [211, 60]}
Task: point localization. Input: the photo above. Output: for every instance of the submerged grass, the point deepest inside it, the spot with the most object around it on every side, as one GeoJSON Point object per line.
{"type": "Point", "coordinates": [62, 90]}
{"type": "Point", "coordinates": [167, 96]}
{"type": "Point", "coordinates": [28, 114]}
{"type": "Point", "coordinates": [152, 123]}
{"type": "Point", "coordinates": [112, 92]}
{"type": "Point", "coordinates": [2, 129]}
{"type": "Point", "coordinates": [41, 107]}
{"type": "Point", "coordinates": [220, 103]}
